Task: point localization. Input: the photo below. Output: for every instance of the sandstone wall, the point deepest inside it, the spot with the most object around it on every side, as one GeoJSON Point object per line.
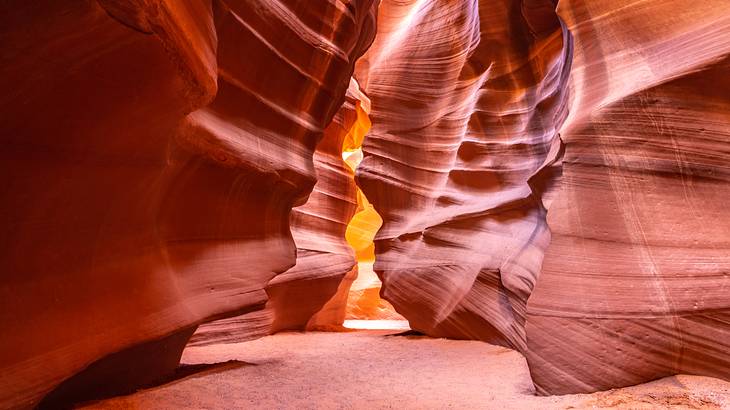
{"type": "Point", "coordinates": [467, 98]}
{"type": "Point", "coordinates": [496, 124]}
{"type": "Point", "coordinates": [152, 151]}
{"type": "Point", "coordinates": [635, 281]}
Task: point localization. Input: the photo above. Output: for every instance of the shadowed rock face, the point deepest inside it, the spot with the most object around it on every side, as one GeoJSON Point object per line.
{"type": "Point", "coordinates": [152, 152]}
{"type": "Point", "coordinates": [466, 98]}
{"type": "Point", "coordinates": [324, 258]}
{"type": "Point", "coordinates": [464, 165]}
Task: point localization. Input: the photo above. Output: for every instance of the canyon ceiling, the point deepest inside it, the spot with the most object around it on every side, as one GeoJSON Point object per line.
{"type": "Point", "coordinates": [552, 176]}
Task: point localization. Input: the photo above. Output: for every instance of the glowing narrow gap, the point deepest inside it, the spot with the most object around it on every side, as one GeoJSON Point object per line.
{"type": "Point", "coordinates": [365, 308]}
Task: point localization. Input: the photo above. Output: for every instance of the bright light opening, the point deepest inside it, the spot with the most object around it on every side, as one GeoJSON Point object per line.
{"type": "Point", "coordinates": [365, 308]}
{"type": "Point", "coordinates": [377, 324]}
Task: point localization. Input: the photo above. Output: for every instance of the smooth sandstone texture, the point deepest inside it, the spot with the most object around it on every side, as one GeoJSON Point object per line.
{"type": "Point", "coordinates": [466, 101]}
{"type": "Point", "coordinates": [636, 279]}
{"type": "Point", "coordinates": [364, 301]}
{"type": "Point", "coordinates": [637, 275]}
{"type": "Point", "coordinates": [464, 165]}
{"type": "Point", "coordinates": [152, 152]}
{"type": "Point", "coordinates": [324, 257]}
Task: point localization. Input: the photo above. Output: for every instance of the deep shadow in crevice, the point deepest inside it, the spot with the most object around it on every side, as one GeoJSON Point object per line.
{"type": "Point", "coordinates": [408, 334]}
{"type": "Point", "coordinates": [192, 371]}
{"type": "Point", "coordinates": [121, 372]}
{"type": "Point", "coordinates": [145, 365]}
{"type": "Point", "coordinates": [181, 373]}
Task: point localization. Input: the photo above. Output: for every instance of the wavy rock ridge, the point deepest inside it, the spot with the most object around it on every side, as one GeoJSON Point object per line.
{"type": "Point", "coordinates": [154, 150]}
{"type": "Point", "coordinates": [552, 177]}
{"type": "Point", "coordinates": [636, 276]}
{"type": "Point", "coordinates": [466, 102]}
{"type": "Point", "coordinates": [464, 160]}
{"type": "Point", "coordinates": [325, 265]}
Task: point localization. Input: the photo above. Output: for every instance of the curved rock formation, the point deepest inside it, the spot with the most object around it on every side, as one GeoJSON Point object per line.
{"type": "Point", "coordinates": [325, 261]}
{"type": "Point", "coordinates": [364, 301]}
{"type": "Point", "coordinates": [323, 255]}
{"type": "Point", "coordinates": [466, 101]}
{"type": "Point", "coordinates": [360, 228]}
{"type": "Point", "coordinates": [152, 151]}
{"type": "Point", "coordinates": [636, 279]}
{"type": "Point", "coordinates": [574, 153]}
{"type": "Point", "coordinates": [463, 161]}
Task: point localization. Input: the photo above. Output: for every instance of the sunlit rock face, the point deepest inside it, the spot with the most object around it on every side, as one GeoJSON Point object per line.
{"type": "Point", "coordinates": [466, 98]}
{"type": "Point", "coordinates": [496, 125]}
{"type": "Point", "coordinates": [363, 222]}
{"type": "Point", "coordinates": [362, 299]}
{"type": "Point", "coordinates": [152, 152]}
{"type": "Point", "coordinates": [635, 283]}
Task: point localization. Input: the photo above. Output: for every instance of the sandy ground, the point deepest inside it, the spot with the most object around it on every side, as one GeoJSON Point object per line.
{"type": "Point", "coordinates": [374, 370]}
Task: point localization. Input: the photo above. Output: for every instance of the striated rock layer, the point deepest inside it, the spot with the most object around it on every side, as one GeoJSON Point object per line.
{"type": "Point", "coordinates": [466, 101]}
{"type": "Point", "coordinates": [636, 279]}
{"type": "Point", "coordinates": [324, 257]}
{"type": "Point", "coordinates": [151, 152]}
{"type": "Point", "coordinates": [464, 163]}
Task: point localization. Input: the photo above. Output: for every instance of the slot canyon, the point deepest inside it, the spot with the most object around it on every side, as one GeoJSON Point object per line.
{"type": "Point", "coordinates": [365, 204]}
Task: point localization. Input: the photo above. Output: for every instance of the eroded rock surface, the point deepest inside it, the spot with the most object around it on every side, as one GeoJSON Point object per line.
{"type": "Point", "coordinates": [466, 98]}
{"type": "Point", "coordinates": [636, 278]}
{"type": "Point", "coordinates": [152, 152]}
{"type": "Point", "coordinates": [572, 153]}
{"type": "Point", "coordinates": [464, 164]}
{"type": "Point", "coordinates": [325, 261]}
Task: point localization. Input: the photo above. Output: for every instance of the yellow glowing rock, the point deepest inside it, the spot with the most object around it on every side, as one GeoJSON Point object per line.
{"type": "Point", "coordinates": [363, 226]}
{"type": "Point", "coordinates": [361, 231]}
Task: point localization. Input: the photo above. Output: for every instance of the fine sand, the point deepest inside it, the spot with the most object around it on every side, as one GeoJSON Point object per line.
{"type": "Point", "coordinates": [377, 370]}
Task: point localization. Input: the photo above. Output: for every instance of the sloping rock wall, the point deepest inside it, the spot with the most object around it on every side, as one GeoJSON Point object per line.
{"type": "Point", "coordinates": [152, 152]}
{"type": "Point", "coordinates": [466, 98]}
{"type": "Point", "coordinates": [495, 123]}
{"type": "Point", "coordinates": [636, 278]}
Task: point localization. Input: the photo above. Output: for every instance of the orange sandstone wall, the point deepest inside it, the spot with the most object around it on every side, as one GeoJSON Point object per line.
{"type": "Point", "coordinates": [152, 151]}
{"type": "Point", "coordinates": [552, 176]}
{"type": "Point", "coordinates": [325, 260]}
{"type": "Point", "coordinates": [324, 257]}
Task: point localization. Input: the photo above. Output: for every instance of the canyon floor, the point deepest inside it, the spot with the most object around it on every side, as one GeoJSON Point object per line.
{"type": "Point", "coordinates": [381, 369]}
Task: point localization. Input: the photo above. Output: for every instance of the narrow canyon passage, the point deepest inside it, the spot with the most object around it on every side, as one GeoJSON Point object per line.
{"type": "Point", "coordinates": [358, 204]}
{"type": "Point", "coordinates": [365, 308]}
{"type": "Point", "coordinates": [383, 370]}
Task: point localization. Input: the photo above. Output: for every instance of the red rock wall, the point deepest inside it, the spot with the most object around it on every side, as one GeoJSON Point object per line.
{"type": "Point", "coordinates": [152, 151]}
{"type": "Point", "coordinates": [324, 257]}
{"type": "Point", "coordinates": [636, 279]}
{"type": "Point", "coordinates": [464, 165]}
{"type": "Point", "coordinates": [637, 274]}
{"type": "Point", "coordinates": [466, 98]}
